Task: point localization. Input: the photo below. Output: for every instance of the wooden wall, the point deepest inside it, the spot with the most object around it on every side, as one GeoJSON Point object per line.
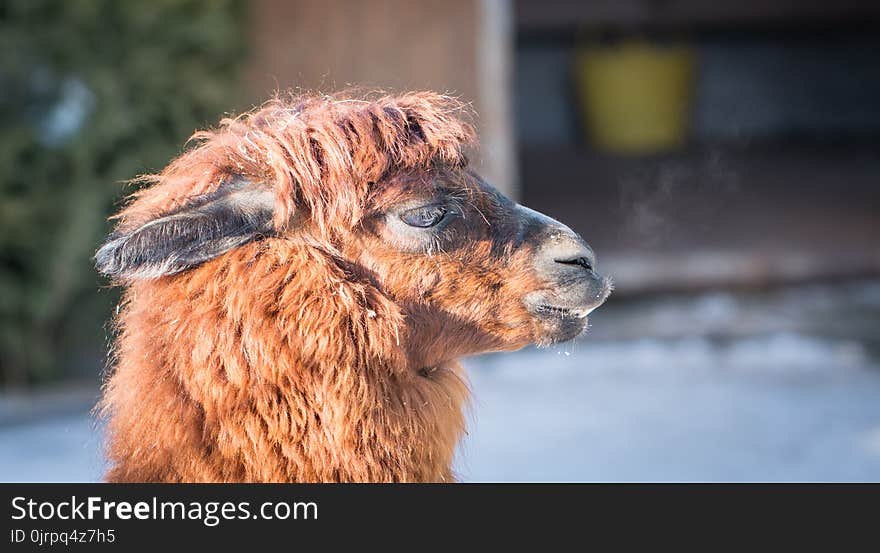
{"type": "Point", "coordinates": [464, 47]}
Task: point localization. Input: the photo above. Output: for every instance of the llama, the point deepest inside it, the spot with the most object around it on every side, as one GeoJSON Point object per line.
{"type": "Point", "coordinates": [300, 285]}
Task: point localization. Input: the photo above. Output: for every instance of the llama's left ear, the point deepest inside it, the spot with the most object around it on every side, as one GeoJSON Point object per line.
{"type": "Point", "coordinates": [206, 227]}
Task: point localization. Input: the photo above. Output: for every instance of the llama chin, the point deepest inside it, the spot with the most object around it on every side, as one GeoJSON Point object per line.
{"type": "Point", "coordinates": [300, 285]}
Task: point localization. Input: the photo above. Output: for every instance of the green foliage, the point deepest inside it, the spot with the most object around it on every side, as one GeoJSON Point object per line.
{"type": "Point", "coordinates": [92, 93]}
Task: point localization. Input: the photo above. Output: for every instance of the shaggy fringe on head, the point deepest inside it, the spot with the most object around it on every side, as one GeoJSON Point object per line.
{"type": "Point", "coordinates": [320, 152]}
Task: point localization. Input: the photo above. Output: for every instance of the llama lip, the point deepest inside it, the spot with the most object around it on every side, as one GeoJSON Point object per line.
{"type": "Point", "coordinates": [563, 312]}
{"type": "Point", "coordinates": [558, 323]}
{"type": "Point", "coordinates": [570, 305]}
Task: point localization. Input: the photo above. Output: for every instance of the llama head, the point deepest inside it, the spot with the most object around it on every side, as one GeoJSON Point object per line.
{"type": "Point", "coordinates": [381, 188]}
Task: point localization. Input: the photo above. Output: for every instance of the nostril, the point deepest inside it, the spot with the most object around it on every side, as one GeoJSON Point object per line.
{"type": "Point", "coordinates": [579, 261]}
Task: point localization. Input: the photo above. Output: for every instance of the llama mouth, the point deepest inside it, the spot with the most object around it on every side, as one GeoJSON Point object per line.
{"type": "Point", "coordinates": [568, 305]}
{"type": "Point", "coordinates": [563, 312]}
{"type": "Point", "coordinates": [559, 323]}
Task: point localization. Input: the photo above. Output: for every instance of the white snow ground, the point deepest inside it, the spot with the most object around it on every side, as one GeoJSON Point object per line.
{"type": "Point", "coordinates": [769, 386]}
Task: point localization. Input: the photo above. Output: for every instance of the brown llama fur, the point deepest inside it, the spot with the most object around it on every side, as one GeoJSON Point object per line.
{"type": "Point", "coordinates": [325, 346]}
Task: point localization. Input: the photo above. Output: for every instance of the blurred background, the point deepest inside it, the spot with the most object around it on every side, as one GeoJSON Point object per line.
{"type": "Point", "coordinates": [721, 157]}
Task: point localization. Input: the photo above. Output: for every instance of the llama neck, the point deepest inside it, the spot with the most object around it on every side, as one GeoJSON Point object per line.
{"type": "Point", "coordinates": [238, 372]}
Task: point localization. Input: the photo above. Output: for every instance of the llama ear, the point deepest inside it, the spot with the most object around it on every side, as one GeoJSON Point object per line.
{"type": "Point", "coordinates": [206, 227]}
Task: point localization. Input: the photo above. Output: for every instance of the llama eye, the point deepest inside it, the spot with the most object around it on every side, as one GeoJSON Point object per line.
{"type": "Point", "coordinates": [424, 217]}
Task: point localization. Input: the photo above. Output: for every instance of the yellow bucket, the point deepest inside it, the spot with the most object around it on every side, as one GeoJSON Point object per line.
{"type": "Point", "coordinates": [636, 96]}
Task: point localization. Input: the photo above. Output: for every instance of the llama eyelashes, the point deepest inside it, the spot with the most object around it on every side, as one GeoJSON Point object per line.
{"type": "Point", "coordinates": [427, 228]}
{"type": "Point", "coordinates": [425, 216]}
